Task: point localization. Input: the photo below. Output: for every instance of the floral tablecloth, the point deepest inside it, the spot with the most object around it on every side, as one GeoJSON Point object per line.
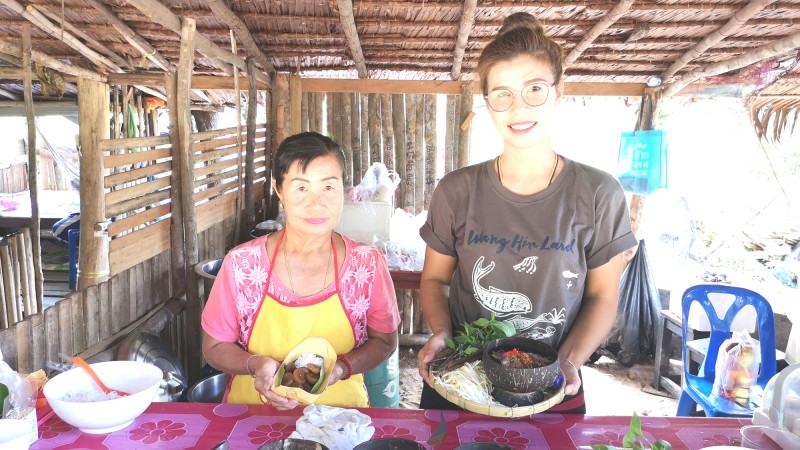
{"type": "Point", "coordinates": [201, 426]}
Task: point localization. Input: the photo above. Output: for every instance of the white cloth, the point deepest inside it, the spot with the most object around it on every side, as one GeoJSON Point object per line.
{"type": "Point", "coordinates": [336, 428]}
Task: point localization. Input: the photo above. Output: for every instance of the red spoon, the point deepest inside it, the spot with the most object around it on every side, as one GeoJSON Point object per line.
{"type": "Point", "coordinates": [78, 361]}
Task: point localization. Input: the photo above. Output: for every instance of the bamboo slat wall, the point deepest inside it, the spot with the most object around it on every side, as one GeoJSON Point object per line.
{"type": "Point", "coordinates": [17, 288]}
{"type": "Point", "coordinates": [87, 322]}
{"type": "Point", "coordinates": [139, 196]}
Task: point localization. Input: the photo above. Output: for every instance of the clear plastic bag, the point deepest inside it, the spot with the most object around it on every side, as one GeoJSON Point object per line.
{"type": "Point", "coordinates": [378, 184]}
{"type": "Point", "coordinates": [21, 393]}
{"type": "Point", "coordinates": [737, 367]}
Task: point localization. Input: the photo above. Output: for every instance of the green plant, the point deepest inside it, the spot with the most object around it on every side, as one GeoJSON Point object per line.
{"type": "Point", "coordinates": [477, 334]}
{"type": "Point", "coordinates": [632, 439]}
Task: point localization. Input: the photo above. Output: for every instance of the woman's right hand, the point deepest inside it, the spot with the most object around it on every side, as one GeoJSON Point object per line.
{"type": "Point", "coordinates": [265, 370]}
{"type": "Point", "coordinates": [434, 345]}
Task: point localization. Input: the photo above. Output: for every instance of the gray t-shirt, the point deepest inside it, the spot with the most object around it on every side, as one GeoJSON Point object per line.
{"type": "Point", "coordinates": [524, 258]}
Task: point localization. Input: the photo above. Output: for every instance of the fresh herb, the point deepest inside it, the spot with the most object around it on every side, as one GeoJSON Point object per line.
{"type": "Point", "coordinates": [632, 439]}
{"type": "Point", "coordinates": [479, 333]}
{"type": "Point", "coordinates": [468, 344]}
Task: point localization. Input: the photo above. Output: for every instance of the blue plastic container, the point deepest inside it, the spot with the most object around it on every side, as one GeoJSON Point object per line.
{"type": "Point", "coordinates": [383, 383]}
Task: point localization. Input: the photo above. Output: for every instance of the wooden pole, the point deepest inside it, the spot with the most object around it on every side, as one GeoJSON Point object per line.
{"type": "Point", "coordinates": [24, 282]}
{"type": "Point", "coordinates": [374, 129]}
{"type": "Point", "coordinates": [237, 227]}
{"type": "Point", "coordinates": [193, 303]}
{"type": "Point", "coordinates": [410, 152]}
{"type": "Point", "coordinates": [115, 96]}
{"type": "Point", "coordinates": [33, 179]}
{"type": "Point", "coordinates": [419, 158]}
{"type": "Point", "coordinates": [330, 123]}
{"type": "Point", "coordinates": [295, 103]}
{"type": "Point", "coordinates": [355, 137]}
{"type": "Point", "coordinates": [125, 106]}
{"type": "Point", "coordinates": [93, 105]}
{"type": "Point", "coordinates": [465, 125]}
{"type": "Point", "coordinates": [279, 107]}
{"type": "Point", "coordinates": [26, 233]}
{"type": "Point", "coordinates": [399, 128]}
{"type": "Point", "coordinates": [388, 131]}
{"type": "Point", "coordinates": [177, 261]}
{"type": "Point", "coordinates": [430, 148]}
{"type": "Point", "coordinates": [450, 136]}
{"type": "Point", "coordinates": [318, 112]}
{"type": "Point", "coordinates": [364, 150]}
{"type": "Point", "coordinates": [304, 108]}
{"type": "Point", "coordinates": [347, 137]}
{"type": "Point", "coordinates": [249, 162]}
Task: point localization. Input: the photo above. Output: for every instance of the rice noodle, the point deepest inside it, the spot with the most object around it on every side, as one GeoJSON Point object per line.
{"type": "Point", "coordinates": [470, 382]}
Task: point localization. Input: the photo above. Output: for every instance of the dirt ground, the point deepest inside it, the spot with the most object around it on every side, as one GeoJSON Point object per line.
{"type": "Point", "coordinates": [611, 389]}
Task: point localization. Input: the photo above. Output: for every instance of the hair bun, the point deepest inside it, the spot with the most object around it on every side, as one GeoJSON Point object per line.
{"type": "Point", "coordinates": [521, 20]}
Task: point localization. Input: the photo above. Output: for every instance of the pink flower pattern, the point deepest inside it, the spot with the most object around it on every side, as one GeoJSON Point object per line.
{"type": "Point", "coordinates": [153, 432]}
{"type": "Point", "coordinates": [512, 438]}
{"type": "Point", "coordinates": [607, 438]}
{"type": "Point", "coordinates": [268, 433]}
{"type": "Point", "coordinates": [391, 431]}
{"type": "Point", "coordinates": [251, 266]}
{"type": "Point", "coordinates": [50, 430]}
{"type": "Point", "coordinates": [721, 440]}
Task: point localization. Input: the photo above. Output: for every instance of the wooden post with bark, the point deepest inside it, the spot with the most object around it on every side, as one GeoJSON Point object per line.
{"type": "Point", "coordinates": [296, 102]}
{"type": "Point", "coordinates": [430, 147]}
{"type": "Point", "coordinates": [374, 117]}
{"type": "Point", "coordinates": [33, 179]}
{"type": "Point", "coordinates": [355, 138]}
{"type": "Point", "coordinates": [279, 105]}
{"type": "Point", "coordinates": [177, 261]}
{"type": "Point", "coordinates": [346, 138]}
{"type": "Point", "coordinates": [387, 130]}
{"type": "Point", "coordinates": [193, 304]}
{"type": "Point", "coordinates": [419, 158]}
{"type": "Point", "coordinates": [364, 135]}
{"type": "Point", "coordinates": [93, 104]}
{"type": "Point", "coordinates": [249, 158]}
{"type": "Point", "coordinates": [399, 128]}
{"type": "Point", "coordinates": [410, 153]}
{"type": "Point", "coordinates": [465, 125]}
{"type": "Point", "coordinates": [450, 136]}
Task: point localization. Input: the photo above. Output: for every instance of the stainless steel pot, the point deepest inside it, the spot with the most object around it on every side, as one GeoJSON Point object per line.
{"type": "Point", "coordinates": [148, 348]}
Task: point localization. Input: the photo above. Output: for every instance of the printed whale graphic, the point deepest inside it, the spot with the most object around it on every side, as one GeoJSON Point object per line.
{"type": "Point", "coordinates": [501, 303]}
{"type": "Point", "coordinates": [526, 325]}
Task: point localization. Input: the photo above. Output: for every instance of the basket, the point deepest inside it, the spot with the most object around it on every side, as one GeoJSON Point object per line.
{"type": "Point", "coordinates": [549, 401]}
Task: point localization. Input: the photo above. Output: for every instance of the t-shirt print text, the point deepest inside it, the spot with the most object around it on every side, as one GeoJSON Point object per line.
{"type": "Point", "coordinates": [519, 242]}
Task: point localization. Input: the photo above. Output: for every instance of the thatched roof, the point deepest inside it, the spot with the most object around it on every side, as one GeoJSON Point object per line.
{"type": "Point", "coordinates": [607, 41]}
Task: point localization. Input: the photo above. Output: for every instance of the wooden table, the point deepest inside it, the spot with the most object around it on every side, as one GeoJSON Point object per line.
{"type": "Point", "coordinates": [197, 425]}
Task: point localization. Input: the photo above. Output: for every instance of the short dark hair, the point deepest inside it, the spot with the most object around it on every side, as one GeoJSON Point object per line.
{"type": "Point", "coordinates": [521, 34]}
{"type": "Point", "coordinates": [304, 148]}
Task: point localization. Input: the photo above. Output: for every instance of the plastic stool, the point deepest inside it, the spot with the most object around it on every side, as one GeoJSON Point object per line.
{"type": "Point", "coordinates": [72, 240]}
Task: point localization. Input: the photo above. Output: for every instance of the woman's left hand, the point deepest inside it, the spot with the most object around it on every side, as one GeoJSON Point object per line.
{"type": "Point", "coordinates": [266, 368]}
{"type": "Point", "coordinates": [571, 379]}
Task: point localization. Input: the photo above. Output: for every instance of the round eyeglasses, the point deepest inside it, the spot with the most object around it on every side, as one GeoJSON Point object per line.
{"type": "Point", "coordinates": [534, 94]}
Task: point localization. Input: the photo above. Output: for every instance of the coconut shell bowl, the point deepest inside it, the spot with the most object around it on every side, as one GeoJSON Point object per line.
{"type": "Point", "coordinates": [520, 380]}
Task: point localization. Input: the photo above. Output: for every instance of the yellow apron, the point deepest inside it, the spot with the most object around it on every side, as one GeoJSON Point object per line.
{"type": "Point", "coordinates": [279, 328]}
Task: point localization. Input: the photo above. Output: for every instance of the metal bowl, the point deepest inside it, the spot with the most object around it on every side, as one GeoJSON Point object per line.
{"type": "Point", "coordinates": [209, 390]}
{"type": "Point", "coordinates": [148, 348]}
{"type": "Point", "coordinates": [521, 379]}
{"type": "Point", "coordinates": [293, 444]}
{"type": "Point", "coordinates": [390, 444]}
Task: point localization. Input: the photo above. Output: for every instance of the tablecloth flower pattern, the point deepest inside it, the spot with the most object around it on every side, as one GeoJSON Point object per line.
{"type": "Point", "coordinates": [163, 430]}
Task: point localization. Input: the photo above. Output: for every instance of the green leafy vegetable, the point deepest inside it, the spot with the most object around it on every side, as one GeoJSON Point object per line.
{"type": "Point", "coordinates": [479, 333]}
{"type": "Point", "coordinates": [632, 437]}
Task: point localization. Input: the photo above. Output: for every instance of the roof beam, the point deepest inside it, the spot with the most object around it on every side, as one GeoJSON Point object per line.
{"type": "Point", "coordinates": [36, 18]}
{"type": "Point", "coordinates": [734, 24]}
{"type": "Point", "coordinates": [769, 50]}
{"type": "Point", "coordinates": [467, 19]}
{"type": "Point", "coordinates": [618, 11]}
{"type": "Point", "coordinates": [230, 18]}
{"type": "Point", "coordinates": [41, 58]}
{"type": "Point", "coordinates": [161, 14]}
{"type": "Point", "coordinates": [138, 42]}
{"type": "Point", "coordinates": [351, 33]}
{"type": "Point", "coordinates": [118, 60]}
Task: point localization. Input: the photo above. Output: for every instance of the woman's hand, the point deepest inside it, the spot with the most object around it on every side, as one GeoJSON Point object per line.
{"type": "Point", "coordinates": [572, 381]}
{"type": "Point", "coordinates": [434, 345]}
{"type": "Point", "coordinates": [338, 372]}
{"type": "Point", "coordinates": [265, 370]}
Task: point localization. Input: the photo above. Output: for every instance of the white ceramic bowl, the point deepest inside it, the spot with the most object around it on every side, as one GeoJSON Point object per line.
{"type": "Point", "coordinates": [139, 379]}
{"type": "Point", "coordinates": [14, 434]}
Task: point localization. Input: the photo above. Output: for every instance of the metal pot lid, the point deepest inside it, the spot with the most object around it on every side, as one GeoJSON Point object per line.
{"type": "Point", "coordinates": [148, 348]}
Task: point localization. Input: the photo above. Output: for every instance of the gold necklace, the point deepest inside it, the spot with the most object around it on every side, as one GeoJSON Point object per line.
{"type": "Point", "coordinates": [500, 173]}
{"type": "Point", "coordinates": [289, 272]}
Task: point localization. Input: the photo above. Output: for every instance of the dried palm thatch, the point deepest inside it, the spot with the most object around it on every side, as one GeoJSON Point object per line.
{"type": "Point", "coordinates": [775, 109]}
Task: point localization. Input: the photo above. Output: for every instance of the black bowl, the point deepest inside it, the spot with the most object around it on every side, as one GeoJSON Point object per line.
{"type": "Point", "coordinates": [521, 380]}
{"type": "Point", "coordinates": [390, 444]}
{"type": "Point", "coordinates": [483, 446]}
{"type": "Point", "coordinates": [293, 444]}
{"type": "Point", "coordinates": [517, 399]}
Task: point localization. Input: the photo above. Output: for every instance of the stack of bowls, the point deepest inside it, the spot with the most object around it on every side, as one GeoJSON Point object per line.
{"type": "Point", "coordinates": [520, 386]}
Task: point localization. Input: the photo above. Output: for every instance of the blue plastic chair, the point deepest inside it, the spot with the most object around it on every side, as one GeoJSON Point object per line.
{"type": "Point", "coordinates": [697, 388]}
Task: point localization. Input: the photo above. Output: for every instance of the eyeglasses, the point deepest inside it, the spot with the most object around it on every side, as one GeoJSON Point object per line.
{"type": "Point", "coordinates": [534, 94]}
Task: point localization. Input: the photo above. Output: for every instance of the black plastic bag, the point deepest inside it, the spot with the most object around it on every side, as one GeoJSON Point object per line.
{"type": "Point", "coordinates": [633, 334]}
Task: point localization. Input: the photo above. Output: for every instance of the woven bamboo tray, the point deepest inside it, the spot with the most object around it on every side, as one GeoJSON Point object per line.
{"type": "Point", "coordinates": [549, 401]}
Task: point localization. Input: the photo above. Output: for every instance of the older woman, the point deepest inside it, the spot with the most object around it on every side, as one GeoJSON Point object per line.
{"type": "Point", "coordinates": [306, 281]}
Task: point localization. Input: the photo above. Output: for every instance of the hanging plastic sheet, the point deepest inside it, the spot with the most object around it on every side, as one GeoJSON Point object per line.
{"type": "Point", "coordinates": [633, 334]}
{"type": "Point", "coordinates": [642, 162]}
